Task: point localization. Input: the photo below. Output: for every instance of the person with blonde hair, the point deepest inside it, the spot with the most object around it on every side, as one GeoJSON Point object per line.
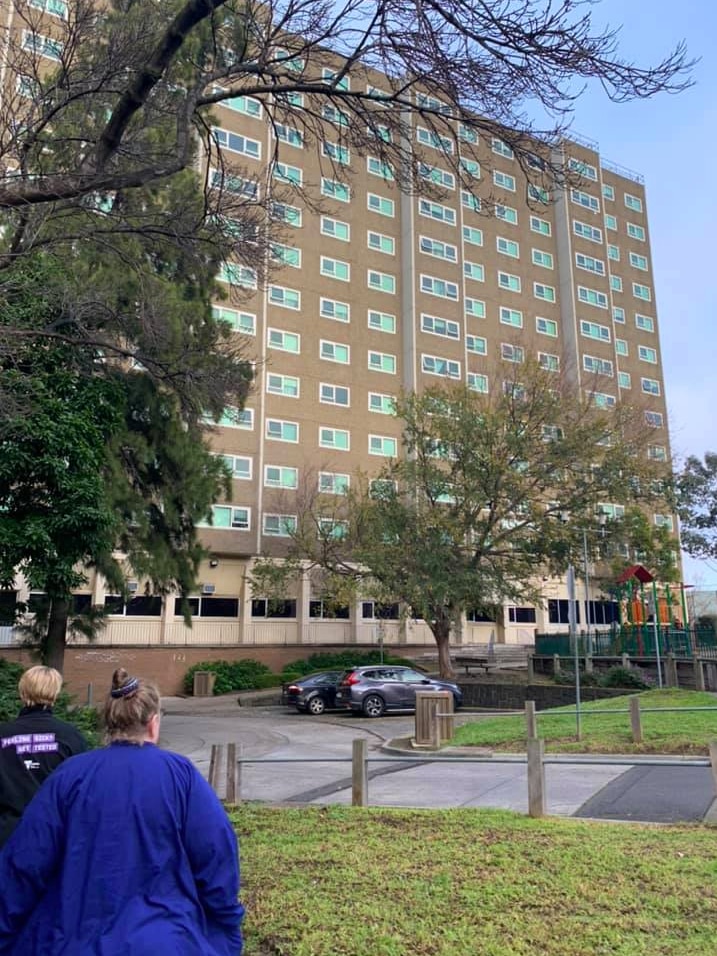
{"type": "Point", "coordinates": [125, 849]}
{"type": "Point", "coordinates": [32, 745]}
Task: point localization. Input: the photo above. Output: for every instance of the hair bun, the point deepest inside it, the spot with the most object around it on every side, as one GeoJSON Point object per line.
{"type": "Point", "coordinates": [119, 678]}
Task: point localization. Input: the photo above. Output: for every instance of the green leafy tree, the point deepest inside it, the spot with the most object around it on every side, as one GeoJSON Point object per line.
{"type": "Point", "coordinates": [489, 493]}
{"type": "Point", "coordinates": [696, 491]}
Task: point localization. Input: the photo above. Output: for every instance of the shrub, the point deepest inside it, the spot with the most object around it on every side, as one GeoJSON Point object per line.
{"type": "Point", "coordinates": [341, 659]}
{"type": "Point", "coordinates": [623, 677]}
{"type": "Point", "coordinates": [230, 675]}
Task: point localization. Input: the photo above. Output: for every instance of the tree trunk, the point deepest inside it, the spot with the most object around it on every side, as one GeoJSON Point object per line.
{"type": "Point", "coordinates": [442, 633]}
{"type": "Point", "coordinates": [53, 647]}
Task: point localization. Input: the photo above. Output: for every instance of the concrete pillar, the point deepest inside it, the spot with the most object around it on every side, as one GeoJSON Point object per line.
{"type": "Point", "coordinates": [671, 671]}
{"type": "Point", "coordinates": [699, 674]}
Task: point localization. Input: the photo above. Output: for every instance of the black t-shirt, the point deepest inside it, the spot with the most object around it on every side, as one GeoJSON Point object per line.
{"type": "Point", "coordinates": [31, 746]}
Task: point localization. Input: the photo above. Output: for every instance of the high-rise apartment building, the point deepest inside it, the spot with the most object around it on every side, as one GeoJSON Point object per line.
{"type": "Point", "coordinates": [374, 289]}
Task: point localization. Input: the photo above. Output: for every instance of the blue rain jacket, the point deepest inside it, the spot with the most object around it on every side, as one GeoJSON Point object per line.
{"type": "Point", "coordinates": [124, 850]}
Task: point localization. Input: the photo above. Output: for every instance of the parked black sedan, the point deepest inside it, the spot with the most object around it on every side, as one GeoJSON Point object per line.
{"type": "Point", "coordinates": [313, 693]}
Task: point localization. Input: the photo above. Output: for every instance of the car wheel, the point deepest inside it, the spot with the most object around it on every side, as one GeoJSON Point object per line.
{"type": "Point", "coordinates": [373, 706]}
{"type": "Point", "coordinates": [316, 705]}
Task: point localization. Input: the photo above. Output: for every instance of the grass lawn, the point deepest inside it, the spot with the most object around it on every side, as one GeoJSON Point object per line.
{"type": "Point", "coordinates": [673, 733]}
{"type": "Point", "coordinates": [343, 881]}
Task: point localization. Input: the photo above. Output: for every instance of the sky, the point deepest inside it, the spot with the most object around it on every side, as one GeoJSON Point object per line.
{"type": "Point", "coordinates": [672, 141]}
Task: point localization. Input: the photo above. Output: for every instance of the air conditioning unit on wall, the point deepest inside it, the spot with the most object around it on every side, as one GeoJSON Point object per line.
{"type": "Point", "coordinates": [208, 588]}
{"type": "Point", "coordinates": [132, 587]}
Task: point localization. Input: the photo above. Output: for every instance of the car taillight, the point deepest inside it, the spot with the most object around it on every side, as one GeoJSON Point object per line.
{"type": "Point", "coordinates": [351, 679]}
{"type": "Point", "coordinates": [294, 689]}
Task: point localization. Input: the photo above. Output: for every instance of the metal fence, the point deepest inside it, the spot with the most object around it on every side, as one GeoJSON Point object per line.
{"type": "Point", "coordinates": [637, 641]}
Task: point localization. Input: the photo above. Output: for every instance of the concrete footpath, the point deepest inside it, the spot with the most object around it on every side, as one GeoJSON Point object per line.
{"type": "Point", "coordinates": [296, 742]}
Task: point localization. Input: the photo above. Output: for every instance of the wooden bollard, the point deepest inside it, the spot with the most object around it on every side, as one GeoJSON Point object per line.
{"type": "Point", "coordinates": [215, 759]}
{"type": "Point", "coordinates": [230, 794]}
{"type": "Point", "coordinates": [635, 720]}
{"type": "Point", "coordinates": [699, 674]}
{"type": "Point", "coordinates": [713, 761]}
{"type": "Point", "coordinates": [556, 663]}
{"type": "Point", "coordinates": [359, 783]}
{"type": "Point", "coordinates": [536, 778]}
{"type": "Point", "coordinates": [531, 724]}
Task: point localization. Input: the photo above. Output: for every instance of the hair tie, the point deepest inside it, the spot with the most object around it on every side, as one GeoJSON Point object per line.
{"type": "Point", "coordinates": [126, 689]}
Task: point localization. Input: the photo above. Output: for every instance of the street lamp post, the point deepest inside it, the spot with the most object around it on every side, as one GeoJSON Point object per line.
{"type": "Point", "coordinates": [587, 593]}
{"type": "Point", "coordinates": [572, 625]}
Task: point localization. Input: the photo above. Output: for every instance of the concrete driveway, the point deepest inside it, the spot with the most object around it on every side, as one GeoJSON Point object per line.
{"type": "Point", "coordinates": [668, 794]}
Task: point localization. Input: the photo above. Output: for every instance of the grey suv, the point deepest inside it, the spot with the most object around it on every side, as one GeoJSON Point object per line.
{"type": "Point", "coordinates": [376, 688]}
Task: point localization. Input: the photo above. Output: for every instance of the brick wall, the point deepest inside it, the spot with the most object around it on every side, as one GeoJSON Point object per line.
{"type": "Point", "coordinates": [167, 666]}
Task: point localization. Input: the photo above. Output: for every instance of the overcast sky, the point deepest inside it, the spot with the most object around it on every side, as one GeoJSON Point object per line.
{"type": "Point", "coordinates": [672, 141]}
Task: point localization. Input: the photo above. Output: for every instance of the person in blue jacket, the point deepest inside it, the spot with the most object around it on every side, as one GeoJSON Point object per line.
{"type": "Point", "coordinates": [123, 850]}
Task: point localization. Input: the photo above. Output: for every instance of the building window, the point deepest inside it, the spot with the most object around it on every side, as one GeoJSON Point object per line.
{"type": "Point", "coordinates": [335, 269]}
{"type": "Point", "coordinates": [280, 476]}
{"type": "Point", "coordinates": [474, 270]}
{"type": "Point", "coordinates": [507, 214]}
{"type": "Point", "coordinates": [509, 282]}
{"type": "Point", "coordinates": [585, 199]}
{"type": "Point", "coordinates": [437, 326]}
{"type": "Point", "coordinates": [647, 354]}
{"type": "Point", "coordinates": [381, 205]}
{"type": "Point", "coordinates": [236, 143]}
{"type": "Point", "coordinates": [286, 385]}
{"type": "Point", "coordinates": [440, 177]}
{"type": "Point", "coordinates": [377, 167]}
{"type": "Point", "coordinates": [587, 231]}
{"type": "Point", "coordinates": [286, 298]}
{"type": "Point", "coordinates": [654, 419]}
{"type": "Point", "coordinates": [382, 404]}
{"type": "Point", "coordinates": [234, 274]}
{"type": "Point", "coordinates": [334, 395]}
{"type": "Point", "coordinates": [592, 297]}
{"type": "Point", "coordinates": [476, 344]}
{"type": "Point", "coordinates": [279, 430]}
{"type": "Point", "coordinates": [544, 292]}
{"type": "Point", "coordinates": [598, 366]}
{"type": "Point", "coordinates": [332, 309]}
{"type": "Point", "coordinates": [441, 250]}
{"type": "Point", "coordinates": [613, 252]}
{"type": "Point", "coordinates": [508, 247]}
{"type": "Point", "coordinates": [638, 262]}
{"type": "Point", "coordinates": [380, 243]}
{"type": "Point", "coordinates": [334, 115]}
{"type": "Point", "coordinates": [616, 283]}
{"type": "Point", "coordinates": [337, 438]}
{"type": "Point", "coordinates": [644, 322]}
{"type": "Point", "coordinates": [285, 173]}
{"type": "Point", "coordinates": [231, 517]}
{"type": "Point", "coordinates": [636, 232]}
{"type": "Point", "coordinates": [594, 331]}
{"type": "Point", "coordinates": [641, 292]}
{"type": "Point", "coordinates": [633, 202]}
{"type": "Point", "coordinates": [611, 222]}
{"type": "Point", "coordinates": [541, 226]}
{"type": "Point", "coordinates": [240, 466]}
{"type": "Point", "coordinates": [558, 612]}
{"type": "Point", "coordinates": [650, 386]}
{"type": "Point", "coordinates": [381, 281]}
{"type": "Point", "coordinates": [145, 605]}
{"type": "Point", "coordinates": [624, 380]}
{"type": "Point", "coordinates": [335, 190]}
{"type": "Point", "coordinates": [244, 322]}
{"type": "Point", "coordinates": [334, 352]}
{"type": "Point", "coordinates": [274, 607]}
{"type": "Point", "coordinates": [511, 317]}
{"type": "Point", "coordinates": [382, 445]}
{"type": "Point", "coordinates": [336, 153]}
{"type": "Point", "coordinates": [512, 353]}
{"type": "Point", "coordinates": [503, 180]}
{"type": "Point", "coordinates": [204, 606]}
{"type": "Point", "coordinates": [283, 212]}
{"type": "Point", "coordinates": [286, 255]}
{"type": "Point", "coordinates": [477, 382]}
{"type": "Point", "coordinates": [546, 326]}
{"type": "Point", "coordinates": [440, 287]}
{"type": "Point", "coordinates": [501, 148]}
{"type": "Point", "coordinates": [56, 8]}
{"type": "Point", "coordinates": [521, 615]}
{"type": "Point", "coordinates": [540, 258]}
{"type": "Point", "coordinates": [427, 137]}
{"type": "Point", "coordinates": [434, 210]}
{"type": "Point", "coordinates": [333, 483]}
{"type": "Point", "coordinates": [335, 228]}
{"type": "Point", "coordinates": [665, 521]}
{"type": "Point", "coordinates": [435, 365]}
{"type": "Point", "coordinates": [471, 167]}
{"type": "Point", "coordinates": [608, 192]}
{"type": "Point", "coordinates": [280, 526]}
{"type": "Point", "coordinates": [283, 341]}
{"type": "Point", "coordinates": [472, 235]}
{"type": "Point", "coordinates": [621, 347]}
{"type": "Point", "coordinates": [232, 417]}
{"type": "Point", "coordinates": [382, 362]}
{"type": "Point", "coordinates": [475, 307]}
{"type": "Point", "coordinates": [289, 135]}
{"type": "Point", "coordinates": [590, 264]}
{"type": "Point", "coordinates": [549, 362]}
{"type": "Point", "coordinates": [657, 452]}
{"type": "Point", "coordinates": [324, 610]}
{"type": "Point", "coordinates": [583, 169]}
{"type": "Point", "coordinates": [382, 321]}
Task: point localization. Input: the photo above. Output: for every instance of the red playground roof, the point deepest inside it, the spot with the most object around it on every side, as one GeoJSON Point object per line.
{"type": "Point", "coordinates": [635, 571]}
